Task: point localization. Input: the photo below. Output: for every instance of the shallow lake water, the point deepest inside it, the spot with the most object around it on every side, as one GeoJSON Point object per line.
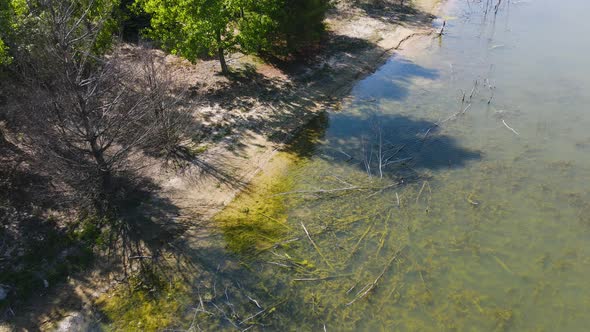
{"type": "Point", "coordinates": [451, 192]}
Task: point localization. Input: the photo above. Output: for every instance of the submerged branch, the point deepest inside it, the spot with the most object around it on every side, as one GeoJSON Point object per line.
{"type": "Point", "coordinates": [363, 292]}
{"type": "Point", "coordinates": [328, 191]}
{"type": "Point", "coordinates": [323, 278]}
{"type": "Point", "coordinates": [316, 246]}
{"type": "Point", "coordinates": [510, 128]}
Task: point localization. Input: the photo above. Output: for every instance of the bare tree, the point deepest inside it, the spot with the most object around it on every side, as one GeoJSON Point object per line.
{"type": "Point", "coordinates": [91, 112]}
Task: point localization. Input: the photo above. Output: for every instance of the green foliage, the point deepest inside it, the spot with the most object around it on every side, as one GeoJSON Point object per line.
{"type": "Point", "coordinates": [4, 57]}
{"type": "Point", "coordinates": [11, 12]}
{"type": "Point", "coordinates": [257, 24]}
{"type": "Point", "coordinates": [300, 23]}
{"type": "Point", "coordinates": [132, 20]}
{"type": "Point", "coordinates": [27, 26]}
{"type": "Point", "coordinates": [194, 28]}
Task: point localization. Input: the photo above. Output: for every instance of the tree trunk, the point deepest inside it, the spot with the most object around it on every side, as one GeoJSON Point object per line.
{"type": "Point", "coordinates": [224, 68]}
{"type": "Point", "coordinates": [104, 174]}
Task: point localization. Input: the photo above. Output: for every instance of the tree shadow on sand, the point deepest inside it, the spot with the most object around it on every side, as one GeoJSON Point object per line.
{"type": "Point", "coordinates": [394, 11]}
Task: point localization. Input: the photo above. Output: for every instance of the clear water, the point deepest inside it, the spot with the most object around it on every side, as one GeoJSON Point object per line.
{"type": "Point", "coordinates": [481, 221]}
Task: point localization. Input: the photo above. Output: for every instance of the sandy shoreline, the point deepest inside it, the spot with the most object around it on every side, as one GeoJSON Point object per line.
{"type": "Point", "coordinates": [375, 37]}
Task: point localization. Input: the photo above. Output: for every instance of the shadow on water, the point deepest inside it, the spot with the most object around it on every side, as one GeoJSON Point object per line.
{"type": "Point", "coordinates": [391, 81]}
{"type": "Point", "coordinates": [398, 137]}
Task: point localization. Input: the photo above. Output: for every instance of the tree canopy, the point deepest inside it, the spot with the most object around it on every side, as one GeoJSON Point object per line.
{"type": "Point", "coordinates": [28, 26]}
{"type": "Point", "coordinates": [194, 28]}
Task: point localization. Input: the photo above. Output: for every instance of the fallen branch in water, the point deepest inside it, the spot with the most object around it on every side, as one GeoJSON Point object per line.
{"type": "Point", "coordinates": [365, 290]}
{"type": "Point", "coordinates": [356, 246]}
{"type": "Point", "coordinates": [408, 37]}
{"type": "Point", "coordinates": [442, 29]}
{"type": "Point", "coordinates": [328, 191]}
{"type": "Point", "coordinates": [266, 310]}
{"type": "Point", "coordinates": [502, 264]}
{"type": "Point", "coordinates": [253, 316]}
{"type": "Point", "coordinates": [316, 246]}
{"type": "Point", "coordinates": [497, 7]}
{"type": "Point", "coordinates": [385, 233]}
{"type": "Point", "coordinates": [224, 314]}
{"type": "Point", "coordinates": [323, 278]}
{"type": "Point", "coordinates": [453, 116]}
{"type": "Point", "coordinates": [511, 129]}
{"type": "Point", "coordinates": [473, 90]}
{"type": "Point", "coordinates": [140, 257]}
{"type": "Point", "coordinates": [422, 189]}
{"type": "Point", "coordinates": [255, 302]}
{"type": "Point", "coordinates": [320, 191]}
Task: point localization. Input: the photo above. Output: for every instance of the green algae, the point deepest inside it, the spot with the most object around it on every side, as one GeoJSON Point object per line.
{"type": "Point", "coordinates": [149, 302]}
{"type": "Point", "coordinates": [257, 219]}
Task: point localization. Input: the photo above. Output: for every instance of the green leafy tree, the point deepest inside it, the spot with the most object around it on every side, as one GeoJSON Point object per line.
{"type": "Point", "coordinates": [257, 24]}
{"type": "Point", "coordinates": [4, 58]}
{"type": "Point", "coordinates": [26, 26]}
{"type": "Point", "coordinates": [191, 28]}
{"type": "Point", "coordinates": [11, 12]}
{"type": "Point", "coordinates": [194, 28]}
{"type": "Point", "coordinates": [301, 23]}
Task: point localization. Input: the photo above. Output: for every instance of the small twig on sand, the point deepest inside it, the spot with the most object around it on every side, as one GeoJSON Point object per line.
{"type": "Point", "coordinates": [511, 129]}
{"type": "Point", "coordinates": [316, 246]}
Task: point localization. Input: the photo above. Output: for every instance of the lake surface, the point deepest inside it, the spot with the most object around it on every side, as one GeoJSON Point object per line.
{"type": "Point", "coordinates": [452, 192]}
